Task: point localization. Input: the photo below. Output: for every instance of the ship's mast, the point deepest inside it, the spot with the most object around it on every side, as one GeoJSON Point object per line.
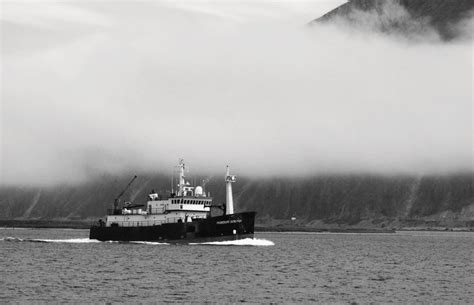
{"type": "Point", "coordinates": [229, 203]}
{"type": "Point", "coordinates": [181, 177]}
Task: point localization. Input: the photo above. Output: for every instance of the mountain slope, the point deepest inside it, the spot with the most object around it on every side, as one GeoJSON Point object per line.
{"type": "Point", "coordinates": [336, 199]}
{"type": "Point", "coordinates": [445, 17]}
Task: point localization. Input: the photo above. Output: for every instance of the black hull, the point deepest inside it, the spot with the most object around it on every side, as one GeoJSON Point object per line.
{"type": "Point", "coordinates": [226, 227]}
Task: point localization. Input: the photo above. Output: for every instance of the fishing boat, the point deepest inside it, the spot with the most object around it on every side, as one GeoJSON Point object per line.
{"type": "Point", "coordinates": [181, 217]}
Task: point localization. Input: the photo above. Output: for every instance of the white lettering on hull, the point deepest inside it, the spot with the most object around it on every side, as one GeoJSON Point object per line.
{"type": "Point", "coordinates": [222, 222]}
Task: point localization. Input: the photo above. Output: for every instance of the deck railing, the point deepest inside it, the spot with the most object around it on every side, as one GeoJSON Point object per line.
{"type": "Point", "coordinates": [146, 223]}
{"type": "Point", "coordinates": [135, 212]}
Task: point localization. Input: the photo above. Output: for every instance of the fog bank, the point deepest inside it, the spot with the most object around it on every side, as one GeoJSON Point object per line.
{"type": "Point", "coordinates": [90, 87]}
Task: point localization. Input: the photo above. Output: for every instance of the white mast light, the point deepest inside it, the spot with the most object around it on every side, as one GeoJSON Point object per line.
{"type": "Point", "coordinates": [229, 179]}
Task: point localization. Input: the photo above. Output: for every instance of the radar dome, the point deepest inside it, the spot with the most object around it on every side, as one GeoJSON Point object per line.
{"type": "Point", "coordinates": [198, 191]}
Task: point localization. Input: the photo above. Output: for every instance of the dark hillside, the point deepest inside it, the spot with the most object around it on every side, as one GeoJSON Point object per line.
{"type": "Point", "coordinates": [337, 199]}
{"type": "Point", "coordinates": [440, 15]}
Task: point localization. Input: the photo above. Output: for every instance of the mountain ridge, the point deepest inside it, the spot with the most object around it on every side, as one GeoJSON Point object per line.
{"type": "Point", "coordinates": [329, 200]}
{"type": "Point", "coordinates": [445, 17]}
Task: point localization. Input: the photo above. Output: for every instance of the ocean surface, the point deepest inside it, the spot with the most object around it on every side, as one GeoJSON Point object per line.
{"type": "Point", "coordinates": [58, 265]}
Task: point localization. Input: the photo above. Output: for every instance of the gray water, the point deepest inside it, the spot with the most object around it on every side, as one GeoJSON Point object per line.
{"type": "Point", "coordinates": [407, 267]}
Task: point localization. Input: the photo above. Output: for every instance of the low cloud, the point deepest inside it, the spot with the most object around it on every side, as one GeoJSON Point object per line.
{"type": "Point", "coordinates": [138, 85]}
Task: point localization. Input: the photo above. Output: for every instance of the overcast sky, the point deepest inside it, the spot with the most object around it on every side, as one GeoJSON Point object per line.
{"type": "Point", "coordinates": [89, 87]}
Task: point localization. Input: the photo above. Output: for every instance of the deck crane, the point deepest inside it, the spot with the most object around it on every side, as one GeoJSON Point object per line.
{"type": "Point", "coordinates": [117, 200]}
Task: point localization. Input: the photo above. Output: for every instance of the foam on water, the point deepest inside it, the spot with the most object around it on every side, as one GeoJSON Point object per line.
{"type": "Point", "coordinates": [11, 239]}
{"type": "Point", "coordinates": [149, 243]}
{"type": "Point", "coordinates": [71, 240]}
{"type": "Point", "coordinates": [239, 242]}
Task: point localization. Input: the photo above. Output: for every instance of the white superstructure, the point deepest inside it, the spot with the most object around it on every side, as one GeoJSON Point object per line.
{"type": "Point", "coordinates": [189, 203]}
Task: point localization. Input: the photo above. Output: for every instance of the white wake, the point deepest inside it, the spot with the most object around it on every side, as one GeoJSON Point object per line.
{"type": "Point", "coordinates": [149, 243]}
{"type": "Point", "coordinates": [71, 240]}
{"type": "Point", "coordinates": [239, 242]}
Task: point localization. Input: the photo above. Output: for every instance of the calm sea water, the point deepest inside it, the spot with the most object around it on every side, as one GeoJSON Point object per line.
{"type": "Point", "coordinates": [409, 267]}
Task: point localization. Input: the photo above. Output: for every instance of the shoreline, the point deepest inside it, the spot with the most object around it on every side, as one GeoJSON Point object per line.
{"type": "Point", "coordinates": [82, 224]}
{"type": "Point", "coordinates": [320, 230]}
